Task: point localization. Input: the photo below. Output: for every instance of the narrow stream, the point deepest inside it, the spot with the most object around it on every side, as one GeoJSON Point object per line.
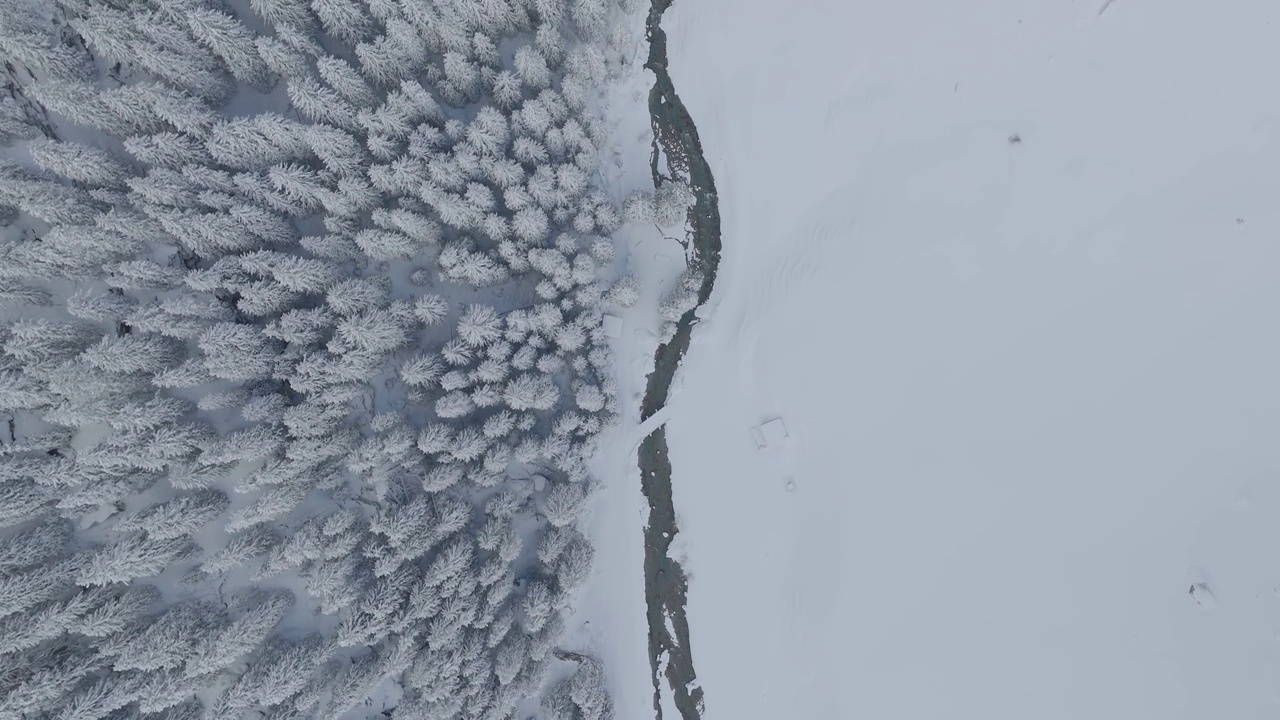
{"type": "Point", "coordinates": [676, 140]}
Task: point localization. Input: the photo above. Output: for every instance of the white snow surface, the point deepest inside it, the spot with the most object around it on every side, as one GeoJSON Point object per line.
{"type": "Point", "coordinates": [1030, 386]}
{"type": "Point", "coordinates": [609, 616]}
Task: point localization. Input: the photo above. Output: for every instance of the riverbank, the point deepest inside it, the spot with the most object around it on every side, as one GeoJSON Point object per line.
{"type": "Point", "coordinates": [675, 140]}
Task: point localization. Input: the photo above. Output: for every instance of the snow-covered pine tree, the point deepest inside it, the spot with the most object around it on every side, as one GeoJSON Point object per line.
{"type": "Point", "coordinates": [135, 556]}
{"type": "Point", "coordinates": [259, 614]}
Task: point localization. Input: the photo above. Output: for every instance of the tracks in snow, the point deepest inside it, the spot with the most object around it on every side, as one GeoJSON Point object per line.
{"type": "Point", "coordinates": [796, 263]}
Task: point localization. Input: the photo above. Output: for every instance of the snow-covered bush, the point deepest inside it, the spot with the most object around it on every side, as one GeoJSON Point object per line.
{"type": "Point", "coordinates": [682, 298]}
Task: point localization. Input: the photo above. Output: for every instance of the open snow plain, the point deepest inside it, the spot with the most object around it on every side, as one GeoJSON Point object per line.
{"type": "Point", "coordinates": [1010, 272]}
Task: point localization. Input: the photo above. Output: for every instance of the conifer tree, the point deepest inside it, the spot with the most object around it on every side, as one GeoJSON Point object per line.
{"type": "Point", "coordinates": [230, 41]}
{"type": "Point", "coordinates": [176, 518]}
{"type": "Point", "coordinates": [135, 556]}
{"type": "Point", "coordinates": [261, 611]}
{"type": "Point", "coordinates": [78, 162]}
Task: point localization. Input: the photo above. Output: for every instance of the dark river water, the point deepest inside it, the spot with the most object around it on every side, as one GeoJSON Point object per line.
{"type": "Point", "coordinates": [676, 140]}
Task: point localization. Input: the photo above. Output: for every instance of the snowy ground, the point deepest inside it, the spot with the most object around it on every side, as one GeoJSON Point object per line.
{"type": "Point", "coordinates": [609, 621]}
{"type": "Point", "coordinates": [1009, 270]}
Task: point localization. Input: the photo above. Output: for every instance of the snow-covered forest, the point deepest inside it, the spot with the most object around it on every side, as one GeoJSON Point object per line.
{"type": "Point", "coordinates": [302, 355]}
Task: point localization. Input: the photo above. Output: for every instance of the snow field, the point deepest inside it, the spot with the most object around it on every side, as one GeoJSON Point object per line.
{"type": "Point", "coordinates": [1029, 384]}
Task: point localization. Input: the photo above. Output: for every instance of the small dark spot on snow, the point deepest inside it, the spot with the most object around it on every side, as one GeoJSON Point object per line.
{"type": "Point", "coordinates": [1239, 221]}
{"type": "Point", "coordinates": [1202, 596]}
{"type": "Point", "coordinates": [1015, 139]}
